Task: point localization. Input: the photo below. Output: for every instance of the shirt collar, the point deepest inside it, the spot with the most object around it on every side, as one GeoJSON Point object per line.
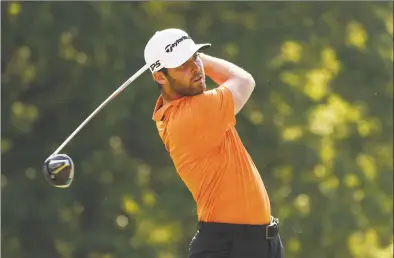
{"type": "Point", "coordinates": [160, 109]}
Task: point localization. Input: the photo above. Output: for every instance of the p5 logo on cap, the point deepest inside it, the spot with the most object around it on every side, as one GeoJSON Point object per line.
{"type": "Point", "coordinates": [155, 65]}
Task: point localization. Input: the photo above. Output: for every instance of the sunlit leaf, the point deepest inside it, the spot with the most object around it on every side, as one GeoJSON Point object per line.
{"type": "Point", "coordinates": [14, 9]}
{"type": "Point", "coordinates": [292, 133]}
{"type": "Point", "coordinates": [367, 164]}
{"type": "Point", "coordinates": [357, 36]}
{"type": "Point", "coordinates": [130, 205]}
{"type": "Point", "coordinates": [291, 51]}
{"type": "Point", "coordinates": [302, 203]}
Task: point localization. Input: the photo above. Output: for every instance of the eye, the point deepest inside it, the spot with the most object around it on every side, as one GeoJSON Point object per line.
{"type": "Point", "coordinates": [196, 55]}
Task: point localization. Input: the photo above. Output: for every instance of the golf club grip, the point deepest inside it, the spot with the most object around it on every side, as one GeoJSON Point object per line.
{"type": "Point", "coordinates": [102, 105]}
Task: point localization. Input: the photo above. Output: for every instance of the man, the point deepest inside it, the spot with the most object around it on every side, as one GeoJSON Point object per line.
{"type": "Point", "coordinates": [197, 128]}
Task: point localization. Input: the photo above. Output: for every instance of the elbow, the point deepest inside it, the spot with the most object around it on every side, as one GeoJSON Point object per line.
{"type": "Point", "coordinates": [245, 79]}
{"type": "Point", "coordinates": [249, 81]}
{"type": "Point", "coordinates": [252, 82]}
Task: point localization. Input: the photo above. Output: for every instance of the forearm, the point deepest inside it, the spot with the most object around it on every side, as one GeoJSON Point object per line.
{"type": "Point", "coordinates": [220, 70]}
{"type": "Point", "coordinates": [226, 74]}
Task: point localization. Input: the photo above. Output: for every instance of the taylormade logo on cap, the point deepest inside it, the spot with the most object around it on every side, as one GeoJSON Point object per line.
{"type": "Point", "coordinates": [170, 47]}
{"type": "Point", "coordinates": [160, 50]}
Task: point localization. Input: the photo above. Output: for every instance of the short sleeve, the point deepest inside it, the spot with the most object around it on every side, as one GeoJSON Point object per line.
{"type": "Point", "coordinates": [213, 113]}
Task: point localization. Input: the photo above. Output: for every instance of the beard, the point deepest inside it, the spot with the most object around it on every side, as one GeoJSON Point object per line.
{"type": "Point", "coordinates": [183, 89]}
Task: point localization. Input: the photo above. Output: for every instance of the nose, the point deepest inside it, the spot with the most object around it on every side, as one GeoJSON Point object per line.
{"type": "Point", "coordinates": [196, 68]}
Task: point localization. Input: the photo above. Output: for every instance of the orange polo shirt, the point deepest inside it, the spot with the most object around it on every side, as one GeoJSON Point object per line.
{"type": "Point", "coordinates": [209, 156]}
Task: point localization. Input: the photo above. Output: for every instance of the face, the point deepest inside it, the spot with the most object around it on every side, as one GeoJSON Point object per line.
{"type": "Point", "coordinates": [185, 80]}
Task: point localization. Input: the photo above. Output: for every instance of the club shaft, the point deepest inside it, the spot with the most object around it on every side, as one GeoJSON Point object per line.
{"type": "Point", "coordinates": [102, 105]}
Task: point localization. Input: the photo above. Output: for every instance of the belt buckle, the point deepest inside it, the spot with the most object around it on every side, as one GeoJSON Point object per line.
{"type": "Point", "coordinates": [267, 232]}
{"type": "Point", "coordinates": [274, 223]}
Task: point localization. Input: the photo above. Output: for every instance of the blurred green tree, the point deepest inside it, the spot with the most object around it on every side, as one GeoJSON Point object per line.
{"type": "Point", "coordinates": [319, 125]}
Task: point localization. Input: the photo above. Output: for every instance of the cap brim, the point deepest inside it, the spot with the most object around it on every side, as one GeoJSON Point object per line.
{"type": "Point", "coordinates": [203, 46]}
{"type": "Point", "coordinates": [187, 55]}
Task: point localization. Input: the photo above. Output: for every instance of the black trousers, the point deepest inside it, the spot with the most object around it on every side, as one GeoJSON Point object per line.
{"type": "Point", "coordinates": [221, 240]}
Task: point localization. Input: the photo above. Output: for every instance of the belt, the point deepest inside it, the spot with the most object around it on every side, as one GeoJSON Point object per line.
{"type": "Point", "coordinates": [272, 229]}
{"type": "Point", "coordinates": [269, 230]}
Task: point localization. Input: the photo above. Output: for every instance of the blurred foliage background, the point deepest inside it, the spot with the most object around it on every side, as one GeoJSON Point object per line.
{"type": "Point", "coordinates": [319, 125]}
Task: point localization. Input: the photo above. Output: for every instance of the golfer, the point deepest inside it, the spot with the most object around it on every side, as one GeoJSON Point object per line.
{"type": "Point", "coordinates": [196, 126]}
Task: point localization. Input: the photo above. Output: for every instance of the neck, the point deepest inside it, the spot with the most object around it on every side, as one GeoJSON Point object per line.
{"type": "Point", "coordinates": [169, 96]}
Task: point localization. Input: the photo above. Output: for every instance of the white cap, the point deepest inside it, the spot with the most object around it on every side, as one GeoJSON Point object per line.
{"type": "Point", "coordinates": [170, 48]}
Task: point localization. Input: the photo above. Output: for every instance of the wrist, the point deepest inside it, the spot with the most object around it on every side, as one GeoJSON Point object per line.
{"type": "Point", "coordinates": [206, 63]}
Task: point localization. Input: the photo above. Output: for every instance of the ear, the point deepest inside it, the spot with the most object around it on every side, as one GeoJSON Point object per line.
{"type": "Point", "coordinates": [159, 77]}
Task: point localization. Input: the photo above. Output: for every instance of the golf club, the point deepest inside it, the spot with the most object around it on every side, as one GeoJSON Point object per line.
{"type": "Point", "coordinates": [59, 168]}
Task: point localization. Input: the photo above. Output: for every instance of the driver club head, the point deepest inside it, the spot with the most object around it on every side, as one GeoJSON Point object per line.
{"type": "Point", "coordinates": [59, 170]}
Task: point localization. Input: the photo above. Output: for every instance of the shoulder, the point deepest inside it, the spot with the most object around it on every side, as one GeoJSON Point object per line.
{"type": "Point", "coordinates": [216, 93]}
